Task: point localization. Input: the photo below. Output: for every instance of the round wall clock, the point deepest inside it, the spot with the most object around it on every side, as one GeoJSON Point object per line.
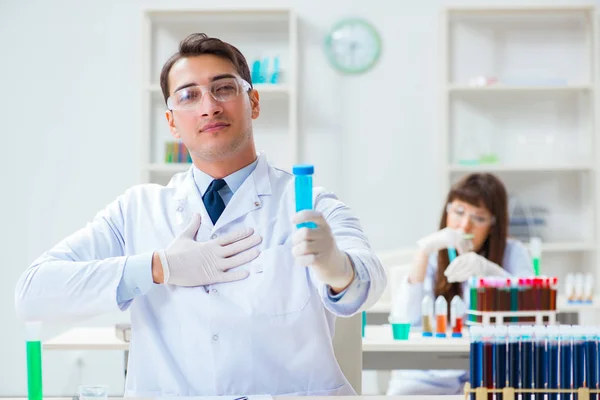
{"type": "Point", "coordinates": [353, 46]}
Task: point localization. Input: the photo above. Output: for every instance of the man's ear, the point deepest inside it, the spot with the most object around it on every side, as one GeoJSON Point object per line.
{"type": "Point", "coordinates": [171, 121]}
{"type": "Point", "coordinates": [255, 103]}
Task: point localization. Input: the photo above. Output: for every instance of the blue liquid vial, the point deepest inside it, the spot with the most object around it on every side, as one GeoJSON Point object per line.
{"type": "Point", "coordinates": [303, 189]}
{"type": "Point", "coordinates": [451, 254]}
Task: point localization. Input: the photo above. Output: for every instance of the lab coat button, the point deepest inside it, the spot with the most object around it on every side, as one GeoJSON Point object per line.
{"type": "Point", "coordinates": [215, 337]}
{"type": "Point", "coordinates": [213, 236]}
{"type": "Point", "coordinates": [214, 291]}
{"type": "Point", "coordinates": [256, 203]}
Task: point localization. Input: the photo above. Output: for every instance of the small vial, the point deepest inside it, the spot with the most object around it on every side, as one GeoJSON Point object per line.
{"type": "Point", "coordinates": [570, 288]}
{"type": "Point", "coordinates": [457, 312]}
{"type": "Point", "coordinates": [427, 316]}
{"type": "Point", "coordinates": [303, 189]}
{"type": "Point", "coordinates": [579, 284]}
{"type": "Point", "coordinates": [588, 289]}
{"type": "Point", "coordinates": [441, 316]}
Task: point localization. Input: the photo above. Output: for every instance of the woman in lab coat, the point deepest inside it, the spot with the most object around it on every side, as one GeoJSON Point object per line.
{"type": "Point", "coordinates": [476, 205]}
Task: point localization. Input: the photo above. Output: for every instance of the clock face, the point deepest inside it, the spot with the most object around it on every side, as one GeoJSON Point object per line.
{"type": "Point", "coordinates": [353, 46]}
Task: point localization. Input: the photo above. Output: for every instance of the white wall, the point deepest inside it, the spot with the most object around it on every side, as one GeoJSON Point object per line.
{"type": "Point", "coordinates": [69, 115]}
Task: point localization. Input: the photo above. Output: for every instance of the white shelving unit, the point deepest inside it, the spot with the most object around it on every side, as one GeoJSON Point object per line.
{"type": "Point", "coordinates": [519, 101]}
{"type": "Point", "coordinates": [257, 33]}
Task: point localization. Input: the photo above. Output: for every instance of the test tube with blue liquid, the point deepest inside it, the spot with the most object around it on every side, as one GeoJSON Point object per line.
{"type": "Point", "coordinates": [591, 359]}
{"type": "Point", "coordinates": [303, 184]}
{"type": "Point", "coordinates": [578, 358]}
{"type": "Point", "coordinates": [527, 359]}
{"type": "Point", "coordinates": [566, 359]}
{"type": "Point", "coordinates": [514, 358]}
{"type": "Point", "coordinates": [500, 354]}
{"type": "Point", "coordinates": [540, 360]}
{"type": "Point", "coordinates": [553, 345]}
{"type": "Point", "coordinates": [452, 251]}
{"type": "Point", "coordinates": [476, 358]}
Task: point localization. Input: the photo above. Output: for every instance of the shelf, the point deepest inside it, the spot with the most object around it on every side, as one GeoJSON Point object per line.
{"type": "Point", "coordinates": [526, 9]}
{"type": "Point", "coordinates": [168, 168]}
{"type": "Point", "coordinates": [230, 14]}
{"type": "Point", "coordinates": [455, 88]}
{"type": "Point", "coordinates": [565, 306]}
{"type": "Point", "coordinates": [384, 307]}
{"type": "Point", "coordinates": [558, 247]}
{"type": "Point", "coordinates": [260, 87]}
{"type": "Point", "coordinates": [519, 168]}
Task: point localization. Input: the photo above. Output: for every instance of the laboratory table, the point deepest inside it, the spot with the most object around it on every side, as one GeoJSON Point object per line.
{"type": "Point", "coordinates": [380, 350]}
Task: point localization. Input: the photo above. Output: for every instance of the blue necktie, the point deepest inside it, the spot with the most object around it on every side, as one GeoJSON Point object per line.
{"type": "Point", "coordinates": [212, 200]}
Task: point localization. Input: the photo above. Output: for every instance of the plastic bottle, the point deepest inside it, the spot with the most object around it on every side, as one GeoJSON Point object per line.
{"type": "Point", "coordinates": [588, 289]}
{"type": "Point", "coordinates": [570, 288]}
{"type": "Point", "coordinates": [441, 316]}
{"type": "Point", "coordinates": [427, 316]}
{"type": "Point", "coordinates": [457, 312]}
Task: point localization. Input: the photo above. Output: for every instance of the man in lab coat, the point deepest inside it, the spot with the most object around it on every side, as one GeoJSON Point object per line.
{"type": "Point", "coordinates": [227, 296]}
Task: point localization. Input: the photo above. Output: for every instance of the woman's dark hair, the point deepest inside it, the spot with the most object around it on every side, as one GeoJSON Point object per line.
{"type": "Point", "coordinates": [479, 190]}
{"type": "Point", "coordinates": [198, 44]}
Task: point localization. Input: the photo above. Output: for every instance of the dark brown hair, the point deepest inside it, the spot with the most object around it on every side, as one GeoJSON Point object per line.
{"type": "Point", "coordinates": [479, 190]}
{"type": "Point", "coordinates": [198, 44]}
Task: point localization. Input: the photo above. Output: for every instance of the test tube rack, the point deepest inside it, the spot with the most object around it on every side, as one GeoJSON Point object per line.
{"type": "Point", "coordinates": [507, 317]}
{"type": "Point", "coordinates": [510, 393]}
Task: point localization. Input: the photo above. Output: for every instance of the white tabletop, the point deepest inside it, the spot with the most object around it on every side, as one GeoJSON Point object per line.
{"type": "Point", "coordinates": [377, 338]}
{"type": "Point", "coordinates": [451, 397]}
{"type": "Point", "coordinates": [96, 338]}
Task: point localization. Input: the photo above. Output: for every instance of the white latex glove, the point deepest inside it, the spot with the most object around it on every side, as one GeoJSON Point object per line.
{"type": "Point", "coordinates": [187, 262]}
{"type": "Point", "coordinates": [445, 238]}
{"type": "Point", "coordinates": [316, 248]}
{"type": "Point", "coordinates": [472, 264]}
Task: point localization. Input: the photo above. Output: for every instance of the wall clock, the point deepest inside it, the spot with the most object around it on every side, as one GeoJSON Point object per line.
{"type": "Point", "coordinates": [353, 46]}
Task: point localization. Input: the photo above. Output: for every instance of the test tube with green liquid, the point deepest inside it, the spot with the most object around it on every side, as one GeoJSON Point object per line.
{"type": "Point", "coordinates": [34, 360]}
{"type": "Point", "coordinates": [536, 254]}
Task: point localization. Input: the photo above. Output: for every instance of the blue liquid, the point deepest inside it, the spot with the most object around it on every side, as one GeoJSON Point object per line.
{"type": "Point", "coordinates": [303, 187]}
{"type": "Point", "coordinates": [541, 368]}
{"type": "Point", "coordinates": [500, 375]}
{"type": "Point", "coordinates": [566, 366]}
{"type": "Point", "coordinates": [275, 75]}
{"type": "Point", "coordinates": [591, 364]}
{"type": "Point", "coordinates": [527, 366]}
{"type": "Point", "coordinates": [475, 365]}
{"type": "Point", "coordinates": [578, 365]}
{"type": "Point", "coordinates": [598, 368]}
{"type": "Point", "coordinates": [256, 72]}
{"type": "Point", "coordinates": [553, 368]}
{"type": "Point", "coordinates": [514, 365]}
{"type": "Point", "coordinates": [364, 322]}
{"type": "Point", "coordinates": [451, 254]}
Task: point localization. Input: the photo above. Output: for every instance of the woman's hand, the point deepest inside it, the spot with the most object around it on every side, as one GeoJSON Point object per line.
{"type": "Point", "coordinates": [445, 238]}
{"type": "Point", "coordinates": [472, 264]}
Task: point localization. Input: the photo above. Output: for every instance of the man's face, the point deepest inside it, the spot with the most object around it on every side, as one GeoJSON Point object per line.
{"type": "Point", "coordinates": [211, 129]}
